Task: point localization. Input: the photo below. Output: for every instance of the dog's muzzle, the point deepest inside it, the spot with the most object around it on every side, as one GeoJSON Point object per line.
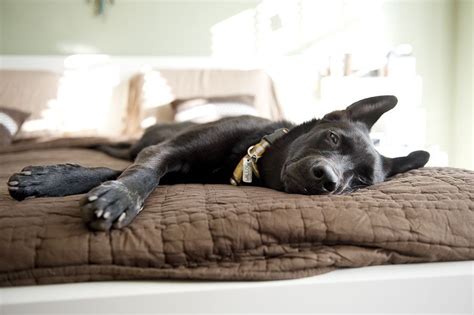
{"type": "Point", "coordinates": [325, 177]}
{"type": "Point", "coordinates": [310, 176]}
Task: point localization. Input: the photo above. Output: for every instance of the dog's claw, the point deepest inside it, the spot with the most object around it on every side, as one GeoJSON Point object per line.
{"type": "Point", "coordinates": [112, 206]}
{"type": "Point", "coordinates": [121, 217]}
{"type": "Point", "coordinates": [26, 173]}
{"type": "Point", "coordinates": [13, 188]}
{"type": "Point", "coordinates": [13, 183]}
{"type": "Point", "coordinates": [98, 213]}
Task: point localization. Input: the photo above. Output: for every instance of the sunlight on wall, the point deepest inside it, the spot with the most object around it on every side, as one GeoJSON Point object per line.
{"type": "Point", "coordinates": [156, 94]}
{"type": "Point", "coordinates": [324, 55]}
{"type": "Point", "coordinates": [156, 90]}
{"type": "Point", "coordinates": [277, 26]}
{"type": "Point", "coordinates": [85, 94]}
{"type": "Point", "coordinates": [84, 97]}
{"type": "Point", "coordinates": [296, 39]}
{"type": "Point", "coordinates": [280, 27]}
{"type": "Point", "coordinates": [68, 47]}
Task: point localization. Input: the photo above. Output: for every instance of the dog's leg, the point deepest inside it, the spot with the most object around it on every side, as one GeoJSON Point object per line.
{"type": "Point", "coordinates": [117, 202]}
{"type": "Point", "coordinates": [57, 180]}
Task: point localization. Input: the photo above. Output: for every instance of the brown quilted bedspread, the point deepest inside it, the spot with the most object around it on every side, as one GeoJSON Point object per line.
{"type": "Point", "coordinates": [222, 232]}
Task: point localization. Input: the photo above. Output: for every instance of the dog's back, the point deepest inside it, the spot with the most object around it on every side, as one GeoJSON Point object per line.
{"type": "Point", "coordinates": [153, 135]}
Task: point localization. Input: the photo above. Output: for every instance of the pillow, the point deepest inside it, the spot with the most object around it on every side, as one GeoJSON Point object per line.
{"type": "Point", "coordinates": [206, 109]}
{"type": "Point", "coordinates": [10, 123]}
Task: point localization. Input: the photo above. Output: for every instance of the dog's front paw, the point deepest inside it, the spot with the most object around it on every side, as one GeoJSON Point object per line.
{"type": "Point", "coordinates": [111, 204]}
{"type": "Point", "coordinates": [39, 181]}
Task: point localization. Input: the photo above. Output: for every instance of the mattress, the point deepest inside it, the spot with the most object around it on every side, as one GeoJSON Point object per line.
{"type": "Point", "coordinates": [222, 232]}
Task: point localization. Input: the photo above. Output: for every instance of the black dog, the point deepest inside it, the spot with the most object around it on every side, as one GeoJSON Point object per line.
{"type": "Point", "coordinates": [333, 155]}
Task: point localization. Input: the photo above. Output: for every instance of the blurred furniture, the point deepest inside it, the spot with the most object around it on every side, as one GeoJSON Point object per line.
{"type": "Point", "coordinates": [151, 92]}
{"type": "Point", "coordinates": [32, 92]}
{"type": "Point", "coordinates": [88, 102]}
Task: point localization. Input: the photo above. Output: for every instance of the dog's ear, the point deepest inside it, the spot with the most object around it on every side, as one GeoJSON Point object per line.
{"type": "Point", "coordinates": [416, 159]}
{"type": "Point", "coordinates": [367, 111]}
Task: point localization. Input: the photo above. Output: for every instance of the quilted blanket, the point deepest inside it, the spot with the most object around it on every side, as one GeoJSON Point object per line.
{"type": "Point", "coordinates": [221, 232]}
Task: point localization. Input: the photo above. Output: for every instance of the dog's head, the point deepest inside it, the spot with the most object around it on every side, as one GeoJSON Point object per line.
{"type": "Point", "coordinates": [336, 155]}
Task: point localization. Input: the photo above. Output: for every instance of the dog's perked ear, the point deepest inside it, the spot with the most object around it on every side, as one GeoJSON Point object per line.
{"type": "Point", "coordinates": [367, 111]}
{"type": "Point", "coordinates": [416, 159]}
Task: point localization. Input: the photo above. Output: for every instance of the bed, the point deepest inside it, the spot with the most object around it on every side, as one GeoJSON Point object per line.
{"type": "Point", "coordinates": [221, 233]}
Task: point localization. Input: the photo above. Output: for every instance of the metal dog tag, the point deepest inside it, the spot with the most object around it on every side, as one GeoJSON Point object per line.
{"type": "Point", "coordinates": [247, 170]}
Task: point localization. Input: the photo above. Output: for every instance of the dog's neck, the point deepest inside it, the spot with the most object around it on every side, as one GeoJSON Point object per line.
{"type": "Point", "coordinates": [270, 167]}
{"type": "Point", "coordinates": [273, 161]}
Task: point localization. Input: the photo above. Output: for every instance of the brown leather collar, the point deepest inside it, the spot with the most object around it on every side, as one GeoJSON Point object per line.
{"type": "Point", "coordinates": [247, 166]}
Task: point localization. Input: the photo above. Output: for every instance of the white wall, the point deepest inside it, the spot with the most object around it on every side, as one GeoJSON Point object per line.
{"type": "Point", "coordinates": [440, 32]}
{"type": "Point", "coordinates": [129, 27]}
{"type": "Point", "coordinates": [428, 25]}
{"type": "Point", "coordinates": [463, 105]}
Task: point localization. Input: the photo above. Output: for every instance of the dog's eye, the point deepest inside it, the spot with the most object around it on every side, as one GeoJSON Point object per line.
{"type": "Point", "coordinates": [333, 137]}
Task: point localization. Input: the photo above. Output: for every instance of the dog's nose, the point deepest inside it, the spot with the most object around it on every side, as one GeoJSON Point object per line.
{"type": "Point", "coordinates": [325, 176]}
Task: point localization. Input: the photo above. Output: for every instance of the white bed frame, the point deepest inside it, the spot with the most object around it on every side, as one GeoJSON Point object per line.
{"type": "Point", "coordinates": [417, 288]}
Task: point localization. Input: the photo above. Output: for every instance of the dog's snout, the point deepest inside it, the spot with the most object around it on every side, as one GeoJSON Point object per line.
{"type": "Point", "coordinates": [318, 172]}
{"type": "Point", "coordinates": [329, 185]}
{"type": "Point", "coordinates": [325, 176]}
